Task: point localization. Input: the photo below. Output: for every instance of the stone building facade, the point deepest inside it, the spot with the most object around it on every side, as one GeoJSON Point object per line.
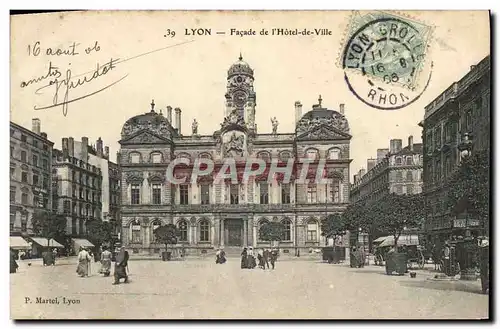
{"type": "Point", "coordinates": [396, 170]}
{"type": "Point", "coordinates": [30, 175]}
{"type": "Point", "coordinates": [211, 213]}
{"type": "Point", "coordinates": [462, 109]}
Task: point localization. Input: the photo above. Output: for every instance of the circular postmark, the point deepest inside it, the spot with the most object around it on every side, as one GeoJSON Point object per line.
{"type": "Point", "coordinates": [384, 62]}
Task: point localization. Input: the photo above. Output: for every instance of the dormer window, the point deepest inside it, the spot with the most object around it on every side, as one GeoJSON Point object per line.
{"type": "Point", "coordinates": [312, 154]}
{"type": "Point", "coordinates": [135, 158]}
{"type": "Point", "coordinates": [156, 158]}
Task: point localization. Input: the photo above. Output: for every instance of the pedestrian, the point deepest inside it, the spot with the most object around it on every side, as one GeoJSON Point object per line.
{"type": "Point", "coordinates": [244, 258]}
{"type": "Point", "coordinates": [83, 263]}
{"type": "Point", "coordinates": [222, 256]}
{"type": "Point", "coordinates": [260, 257]}
{"type": "Point", "coordinates": [217, 256]}
{"type": "Point", "coordinates": [274, 257]}
{"type": "Point", "coordinates": [121, 265]}
{"type": "Point", "coordinates": [251, 258]}
{"type": "Point", "coordinates": [13, 263]}
{"type": "Point", "coordinates": [105, 261]}
{"type": "Point", "coordinates": [266, 255]}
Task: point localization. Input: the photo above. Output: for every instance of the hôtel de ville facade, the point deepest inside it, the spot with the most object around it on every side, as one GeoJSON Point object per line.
{"type": "Point", "coordinates": [211, 214]}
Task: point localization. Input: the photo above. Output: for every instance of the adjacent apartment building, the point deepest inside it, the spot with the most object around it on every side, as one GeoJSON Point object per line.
{"type": "Point", "coordinates": [30, 175]}
{"type": "Point", "coordinates": [461, 111]}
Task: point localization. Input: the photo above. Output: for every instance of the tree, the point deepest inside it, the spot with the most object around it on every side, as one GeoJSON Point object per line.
{"type": "Point", "coordinates": [167, 234]}
{"type": "Point", "coordinates": [469, 187]}
{"type": "Point", "coordinates": [272, 231]}
{"type": "Point", "coordinates": [333, 226]}
{"type": "Point", "coordinates": [395, 213]}
{"type": "Point", "coordinates": [48, 225]}
{"type": "Point", "coordinates": [99, 232]}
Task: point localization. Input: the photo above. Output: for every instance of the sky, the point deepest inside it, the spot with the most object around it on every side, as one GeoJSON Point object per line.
{"type": "Point", "coordinates": [190, 71]}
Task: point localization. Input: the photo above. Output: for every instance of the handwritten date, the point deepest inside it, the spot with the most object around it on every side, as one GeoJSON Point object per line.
{"type": "Point", "coordinates": [71, 50]}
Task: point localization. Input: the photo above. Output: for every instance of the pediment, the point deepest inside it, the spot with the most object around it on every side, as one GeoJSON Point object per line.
{"type": "Point", "coordinates": [323, 132]}
{"type": "Point", "coordinates": [145, 137]}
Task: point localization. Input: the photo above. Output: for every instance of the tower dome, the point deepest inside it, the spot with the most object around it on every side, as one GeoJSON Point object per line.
{"type": "Point", "coordinates": [240, 67]}
{"type": "Point", "coordinates": [152, 121]}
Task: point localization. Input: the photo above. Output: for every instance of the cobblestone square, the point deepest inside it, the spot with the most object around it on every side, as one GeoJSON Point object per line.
{"type": "Point", "coordinates": [200, 289]}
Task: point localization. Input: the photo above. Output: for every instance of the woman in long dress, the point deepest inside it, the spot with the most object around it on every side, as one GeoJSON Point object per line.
{"type": "Point", "coordinates": [244, 258]}
{"type": "Point", "coordinates": [251, 258]}
{"type": "Point", "coordinates": [83, 263]}
{"type": "Point", "coordinates": [106, 261]}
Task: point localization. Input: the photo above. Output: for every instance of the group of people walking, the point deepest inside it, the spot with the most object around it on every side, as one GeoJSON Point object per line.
{"type": "Point", "coordinates": [264, 257]}
{"type": "Point", "coordinates": [85, 258]}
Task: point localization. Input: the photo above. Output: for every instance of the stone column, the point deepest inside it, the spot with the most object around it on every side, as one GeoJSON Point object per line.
{"type": "Point", "coordinates": [222, 231]}
{"type": "Point", "coordinates": [254, 233]}
{"type": "Point", "coordinates": [212, 233]}
{"type": "Point", "coordinates": [245, 232]}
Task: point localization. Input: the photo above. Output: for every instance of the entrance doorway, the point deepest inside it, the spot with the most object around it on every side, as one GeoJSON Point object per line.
{"type": "Point", "coordinates": [233, 232]}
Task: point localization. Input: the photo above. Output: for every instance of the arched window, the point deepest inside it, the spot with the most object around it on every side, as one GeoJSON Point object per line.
{"type": "Point", "coordinates": [287, 236]}
{"type": "Point", "coordinates": [135, 228]}
{"type": "Point", "coordinates": [312, 230]}
{"type": "Point", "coordinates": [205, 155]}
{"type": "Point", "coordinates": [261, 223]}
{"type": "Point", "coordinates": [23, 156]}
{"type": "Point", "coordinates": [399, 161]}
{"type": "Point", "coordinates": [312, 154]}
{"type": "Point", "coordinates": [156, 157]}
{"type": "Point", "coordinates": [285, 155]}
{"type": "Point", "coordinates": [154, 225]}
{"type": "Point", "coordinates": [264, 156]}
{"type": "Point", "coordinates": [334, 154]}
{"type": "Point", "coordinates": [135, 157]}
{"type": "Point", "coordinates": [409, 176]}
{"type": "Point", "coordinates": [204, 231]}
{"type": "Point", "coordinates": [183, 230]}
{"type": "Point", "coordinates": [409, 160]}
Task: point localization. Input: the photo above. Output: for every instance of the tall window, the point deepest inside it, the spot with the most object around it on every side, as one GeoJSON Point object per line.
{"type": "Point", "coordinates": [399, 161]}
{"type": "Point", "coordinates": [156, 194]}
{"type": "Point", "coordinates": [399, 176]}
{"type": "Point", "coordinates": [334, 154]}
{"type": "Point", "coordinates": [312, 154]}
{"type": "Point", "coordinates": [468, 121]}
{"type": "Point", "coordinates": [136, 231]}
{"type": "Point", "coordinates": [312, 231]}
{"type": "Point", "coordinates": [409, 189]}
{"type": "Point", "coordinates": [156, 223]}
{"type": "Point", "coordinates": [135, 158]}
{"type": "Point", "coordinates": [24, 198]}
{"type": "Point", "coordinates": [234, 194]}
{"type": "Point", "coordinates": [36, 201]}
{"type": "Point", "coordinates": [409, 160]}
{"type": "Point", "coordinates": [264, 193]}
{"type": "Point", "coordinates": [204, 231]}
{"type": "Point", "coordinates": [35, 160]}
{"type": "Point", "coordinates": [312, 196]}
{"type": "Point", "coordinates": [285, 193]}
{"type": "Point", "coordinates": [35, 179]}
{"type": "Point", "coordinates": [335, 192]}
{"type": "Point", "coordinates": [409, 176]}
{"type": "Point", "coordinates": [23, 138]}
{"type": "Point", "coordinates": [287, 236]}
{"type": "Point", "coordinates": [205, 194]}
{"type": "Point", "coordinates": [183, 230]}
{"type": "Point", "coordinates": [45, 164]}
{"type": "Point", "coordinates": [12, 196]}
{"type": "Point", "coordinates": [184, 194]}
{"type": "Point", "coordinates": [23, 156]}
{"type": "Point", "coordinates": [24, 226]}
{"type": "Point", "coordinates": [12, 220]}
{"type": "Point", "coordinates": [262, 222]}
{"type": "Point", "coordinates": [24, 177]}
{"type": "Point", "coordinates": [156, 158]}
{"type": "Point", "coordinates": [135, 195]}
{"type": "Point", "coordinates": [12, 151]}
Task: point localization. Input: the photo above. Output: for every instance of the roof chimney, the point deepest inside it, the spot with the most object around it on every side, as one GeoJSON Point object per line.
{"type": "Point", "coordinates": [169, 114]}
{"type": "Point", "coordinates": [71, 147]}
{"type": "Point", "coordinates": [298, 111]}
{"type": "Point", "coordinates": [341, 108]}
{"type": "Point", "coordinates": [85, 149]}
{"type": "Point", "coordinates": [178, 120]}
{"type": "Point", "coordinates": [65, 147]}
{"type": "Point", "coordinates": [106, 152]}
{"type": "Point", "coordinates": [99, 147]}
{"type": "Point", "coordinates": [410, 143]}
{"type": "Point", "coordinates": [36, 126]}
{"type": "Point", "coordinates": [472, 67]}
{"type": "Point", "coordinates": [396, 145]}
{"type": "Point", "coordinates": [370, 163]}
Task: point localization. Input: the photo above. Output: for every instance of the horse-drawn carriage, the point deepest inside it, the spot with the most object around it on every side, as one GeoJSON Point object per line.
{"type": "Point", "coordinates": [408, 244]}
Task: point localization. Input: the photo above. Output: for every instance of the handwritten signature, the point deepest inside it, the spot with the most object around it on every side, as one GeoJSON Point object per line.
{"type": "Point", "coordinates": [69, 82]}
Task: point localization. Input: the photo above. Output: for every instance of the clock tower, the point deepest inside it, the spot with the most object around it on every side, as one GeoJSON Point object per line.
{"type": "Point", "coordinates": [240, 95]}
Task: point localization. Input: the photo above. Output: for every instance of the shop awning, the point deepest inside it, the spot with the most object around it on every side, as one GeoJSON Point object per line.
{"type": "Point", "coordinates": [17, 242]}
{"type": "Point", "coordinates": [408, 240]}
{"type": "Point", "coordinates": [382, 238]}
{"type": "Point", "coordinates": [82, 243]}
{"type": "Point", "coordinates": [43, 242]}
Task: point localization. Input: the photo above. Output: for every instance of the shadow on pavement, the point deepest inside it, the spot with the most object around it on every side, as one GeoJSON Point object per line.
{"type": "Point", "coordinates": [444, 285]}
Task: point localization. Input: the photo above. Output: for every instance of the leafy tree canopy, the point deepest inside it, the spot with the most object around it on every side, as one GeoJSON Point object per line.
{"type": "Point", "coordinates": [167, 234]}
{"type": "Point", "coordinates": [48, 225]}
{"type": "Point", "coordinates": [272, 231]}
{"type": "Point", "coordinates": [333, 225]}
{"type": "Point", "coordinates": [99, 232]}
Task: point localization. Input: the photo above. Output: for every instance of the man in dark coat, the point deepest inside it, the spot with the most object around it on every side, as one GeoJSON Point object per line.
{"type": "Point", "coordinates": [13, 263]}
{"type": "Point", "coordinates": [266, 256]}
{"type": "Point", "coordinates": [274, 257]}
{"type": "Point", "coordinates": [121, 266]}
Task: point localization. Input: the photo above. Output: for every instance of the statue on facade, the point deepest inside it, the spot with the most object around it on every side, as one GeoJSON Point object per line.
{"type": "Point", "coordinates": [275, 124]}
{"type": "Point", "coordinates": [235, 145]}
{"type": "Point", "coordinates": [194, 127]}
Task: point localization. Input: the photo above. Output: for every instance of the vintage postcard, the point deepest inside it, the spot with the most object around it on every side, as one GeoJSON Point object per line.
{"type": "Point", "coordinates": [250, 165]}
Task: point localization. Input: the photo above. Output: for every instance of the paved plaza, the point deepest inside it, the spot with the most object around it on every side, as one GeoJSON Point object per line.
{"type": "Point", "coordinates": [200, 289]}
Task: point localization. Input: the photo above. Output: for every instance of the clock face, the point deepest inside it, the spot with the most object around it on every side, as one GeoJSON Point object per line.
{"type": "Point", "coordinates": [239, 98]}
{"type": "Point", "coordinates": [239, 79]}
